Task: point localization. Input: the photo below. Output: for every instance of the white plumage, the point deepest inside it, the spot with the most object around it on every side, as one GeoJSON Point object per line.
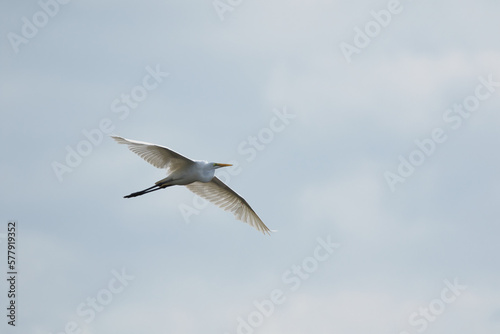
{"type": "Point", "coordinates": [197, 176]}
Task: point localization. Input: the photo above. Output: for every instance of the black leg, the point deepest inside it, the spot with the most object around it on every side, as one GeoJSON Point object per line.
{"type": "Point", "coordinates": [145, 191]}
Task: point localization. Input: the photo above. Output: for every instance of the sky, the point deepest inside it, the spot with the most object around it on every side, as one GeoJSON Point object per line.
{"type": "Point", "coordinates": [364, 132]}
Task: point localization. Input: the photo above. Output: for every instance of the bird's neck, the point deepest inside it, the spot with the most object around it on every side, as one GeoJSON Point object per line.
{"type": "Point", "coordinates": [206, 170]}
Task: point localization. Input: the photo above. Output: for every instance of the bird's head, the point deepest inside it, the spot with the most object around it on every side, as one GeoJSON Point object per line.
{"type": "Point", "coordinates": [219, 165]}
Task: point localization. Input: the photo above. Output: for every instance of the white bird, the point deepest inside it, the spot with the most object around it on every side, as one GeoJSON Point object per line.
{"type": "Point", "coordinates": [198, 176]}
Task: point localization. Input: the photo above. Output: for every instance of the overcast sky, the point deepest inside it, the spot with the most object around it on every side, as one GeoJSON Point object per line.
{"type": "Point", "coordinates": [365, 132]}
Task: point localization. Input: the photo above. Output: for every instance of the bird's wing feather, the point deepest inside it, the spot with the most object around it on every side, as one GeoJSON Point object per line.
{"type": "Point", "coordinates": [158, 156]}
{"type": "Point", "coordinates": [224, 197]}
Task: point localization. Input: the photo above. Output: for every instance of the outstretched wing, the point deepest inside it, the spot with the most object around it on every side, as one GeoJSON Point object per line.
{"type": "Point", "coordinates": [158, 156]}
{"type": "Point", "coordinates": [224, 197]}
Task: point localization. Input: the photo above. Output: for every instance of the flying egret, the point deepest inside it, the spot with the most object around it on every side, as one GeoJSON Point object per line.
{"type": "Point", "coordinates": [198, 176]}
